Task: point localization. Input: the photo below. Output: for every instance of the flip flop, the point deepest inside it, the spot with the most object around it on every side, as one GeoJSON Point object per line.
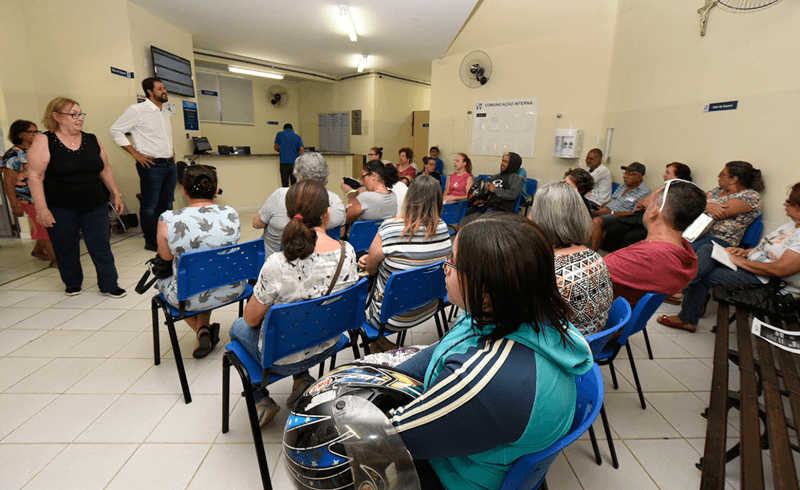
{"type": "Point", "coordinates": [206, 344]}
{"type": "Point", "coordinates": [664, 320]}
{"type": "Point", "coordinates": [305, 383]}
{"type": "Point", "coordinates": [673, 299]}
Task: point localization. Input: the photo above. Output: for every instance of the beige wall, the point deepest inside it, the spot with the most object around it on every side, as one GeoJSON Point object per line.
{"type": "Point", "coordinates": [663, 73]}
{"type": "Point", "coordinates": [395, 101]}
{"type": "Point", "coordinates": [559, 52]}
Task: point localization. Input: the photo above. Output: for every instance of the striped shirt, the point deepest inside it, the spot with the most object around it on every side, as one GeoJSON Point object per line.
{"type": "Point", "coordinates": [400, 255]}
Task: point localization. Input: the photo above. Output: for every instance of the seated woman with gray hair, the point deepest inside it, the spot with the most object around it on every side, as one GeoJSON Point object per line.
{"type": "Point", "coordinates": [581, 275]}
{"type": "Point", "coordinates": [272, 217]}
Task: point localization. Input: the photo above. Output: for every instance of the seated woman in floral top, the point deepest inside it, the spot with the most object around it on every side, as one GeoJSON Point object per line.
{"type": "Point", "coordinates": [303, 270]}
{"type": "Point", "coordinates": [581, 275]}
{"type": "Point", "coordinates": [734, 205]}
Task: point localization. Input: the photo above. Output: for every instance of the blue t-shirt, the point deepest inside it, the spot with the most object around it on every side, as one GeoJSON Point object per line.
{"type": "Point", "coordinates": [290, 143]}
{"type": "Point", "coordinates": [439, 165]}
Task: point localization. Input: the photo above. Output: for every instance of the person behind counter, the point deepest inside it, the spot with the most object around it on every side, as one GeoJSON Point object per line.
{"type": "Point", "coordinates": [70, 181]}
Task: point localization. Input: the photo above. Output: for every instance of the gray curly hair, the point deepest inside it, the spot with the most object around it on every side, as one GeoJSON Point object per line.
{"type": "Point", "coordinates": [311, 165]}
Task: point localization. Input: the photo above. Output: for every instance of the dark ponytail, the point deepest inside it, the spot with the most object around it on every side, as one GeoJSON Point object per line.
{"type": "Point", "coordinates": [306, 205]}
{"type": "Point", "coordinates": [387, 173]}
{"type": "Point", "coordinates": [747, 175]}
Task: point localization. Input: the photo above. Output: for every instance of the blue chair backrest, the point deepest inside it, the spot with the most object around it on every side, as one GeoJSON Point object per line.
{"type": "Point", "coordinates": [753, 233]}
{"type": "Point", "coordinates": [642, 312]}
{"type": "Point", "coordinates": [531, 187]}
{"type": "Point", "coordinates": [528, 472]}
{"type": "Point", "coordinates": [618, 317]}
{"type": "Point", "coordinates": [362, 233]}
{"type": "Point", "coordinates": [453, 212]}
{"type": "Point", "coordinates": [406, 290]}
{"type": "Point", "coordinates": [335, 233]}
{"type": "Point", "coordinates": [208, 269]}
{"type": "Point", "coordinates": [614, 186]}
{"type": "Point", "coordinates": [485, 177]}
{"type": "Point", "coordinates": [443, 178]}
{"type": "Point", "coordinates": [293, 327]}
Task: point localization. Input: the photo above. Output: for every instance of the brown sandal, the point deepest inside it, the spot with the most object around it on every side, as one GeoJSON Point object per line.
{"type": "Point", "coordinates": [205, 339]}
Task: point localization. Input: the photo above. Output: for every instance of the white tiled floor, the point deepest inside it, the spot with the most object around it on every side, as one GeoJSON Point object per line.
{"type": "Point", "coordinates": [83, 406]}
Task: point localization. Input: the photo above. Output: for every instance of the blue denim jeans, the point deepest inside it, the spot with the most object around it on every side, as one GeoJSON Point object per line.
{"type": "Point", "coordinates": [66, 239]}
{"type": "Point", "coordinates": [709, 274]}
{"type": "Point", "coordinates": [157, 185]}
{"type": "Point", "coordinates": [248, 337]}
{"type": "Point", "coordinates": [707, 240]}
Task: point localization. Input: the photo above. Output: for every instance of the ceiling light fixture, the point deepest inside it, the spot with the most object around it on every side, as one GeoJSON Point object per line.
{"type": "Point", "coordinates": [255, 73]}
{"type": "Point", "coordinates": [362, 64]}
{"type": "Point", "coordinates": [349, 25]}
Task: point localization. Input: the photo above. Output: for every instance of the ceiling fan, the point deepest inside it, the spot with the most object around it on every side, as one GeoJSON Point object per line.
{"type": "Point", "coordinates": [734, 5]}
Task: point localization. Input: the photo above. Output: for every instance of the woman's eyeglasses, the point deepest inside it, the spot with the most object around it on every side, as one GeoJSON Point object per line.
{"type": "Point", "coordinates": [449, 262]}
{"type": "Point", "coordinates": [34, 132]}
{"type": "Point", "coordinates": [75, 115]}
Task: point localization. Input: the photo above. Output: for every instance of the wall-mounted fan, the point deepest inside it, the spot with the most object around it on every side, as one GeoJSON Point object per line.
{"type": "Point", "coordinates": [277, 96]}
{"type": "Point", "coordinates": [734, 5]}
{"type": "Point", "coordinates": [476, 68]}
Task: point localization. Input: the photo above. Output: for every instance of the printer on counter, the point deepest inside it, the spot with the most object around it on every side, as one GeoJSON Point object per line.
{"type": "Point", "coordinates": [233, 150]}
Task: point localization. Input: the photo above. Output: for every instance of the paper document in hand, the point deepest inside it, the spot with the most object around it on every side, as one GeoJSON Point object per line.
{"type": "Point", "coordinates": [721, 255]}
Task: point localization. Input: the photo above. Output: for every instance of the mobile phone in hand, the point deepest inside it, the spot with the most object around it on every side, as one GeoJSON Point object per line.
{"type": "Point", "coordinates": [351, 182]}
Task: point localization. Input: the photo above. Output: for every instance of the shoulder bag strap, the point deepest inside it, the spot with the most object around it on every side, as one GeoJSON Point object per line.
{"type": "Point", "coordinates": [338, 269]}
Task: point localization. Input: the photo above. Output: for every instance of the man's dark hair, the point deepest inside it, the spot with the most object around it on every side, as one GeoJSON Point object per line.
{"type": "Point", "coordinates": [387, 173]}
{"type": "Point", "coordinates": [681, 171]}
{"type": "Point", "coordinates": [598, 151]}
{"type": "Point", "coordinates": [685, 202]}
{"type": "Point", "coordinates": [582, 179]}
{"type": "Point", "coordinates": [148, 84]}
{"type": "Point", "coordinates": [287, 126]}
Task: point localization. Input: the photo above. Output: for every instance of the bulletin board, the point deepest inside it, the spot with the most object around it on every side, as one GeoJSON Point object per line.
{"type": "Point", "coordinates": [501, 126]}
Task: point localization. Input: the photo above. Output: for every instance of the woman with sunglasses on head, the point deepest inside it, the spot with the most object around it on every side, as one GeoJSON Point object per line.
{"type": "Point", "coordinates": [311, 265]}
{"type": "Point", "coordinates": [70, 182]}
{"type": "Point", "coordinates": [15, 180]}
{"type": "Point", "coordinates": [377, 200]}
{"type": "Point", "coordinates": [501, 383]}
{"type": "Point", "coordinates": [416, 238]}
{"type": "Point", "coordinates": [201, 225]}
{"type": "Point", "coordinates": [776, 255]}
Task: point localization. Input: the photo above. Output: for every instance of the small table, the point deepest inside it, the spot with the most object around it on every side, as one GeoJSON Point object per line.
{"type": "Point", "coordinates": [769, 392]}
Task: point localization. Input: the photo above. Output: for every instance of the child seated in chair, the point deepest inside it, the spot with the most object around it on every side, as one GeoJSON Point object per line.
{"type": "Point", "coordinates": [311, 265]}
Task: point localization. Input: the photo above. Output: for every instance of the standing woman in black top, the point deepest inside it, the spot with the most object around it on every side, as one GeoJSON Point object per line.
{"type": "Point", "coordinates": [70, 180]}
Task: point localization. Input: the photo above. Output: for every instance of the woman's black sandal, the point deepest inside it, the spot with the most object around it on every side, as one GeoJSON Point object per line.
{"type": "Point", "coordinates": [206, 340]}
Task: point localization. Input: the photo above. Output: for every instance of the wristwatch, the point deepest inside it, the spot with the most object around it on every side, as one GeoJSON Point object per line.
{"type": "Point", "coordinates": [612, 212]}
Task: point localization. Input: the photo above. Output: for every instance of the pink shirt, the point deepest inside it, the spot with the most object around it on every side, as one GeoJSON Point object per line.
{"type": "Point", "coordinates": [457, 184]}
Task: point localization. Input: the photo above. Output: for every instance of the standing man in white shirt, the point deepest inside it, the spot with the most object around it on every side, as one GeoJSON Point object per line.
{"type": "Point", "coordinates": [601, 193]}
{"type": "Point", "coordinates": [150, 127]}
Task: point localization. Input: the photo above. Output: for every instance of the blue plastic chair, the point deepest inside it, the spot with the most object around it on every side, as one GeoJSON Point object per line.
{"type": "Point", "coordinates": [453, 213]}
{"type": "Point", "coordinates": [530, 189]}
{"type": "Point", "coordinates": [642, 312]}
{"type": "Point", "coordinates": [529, 472]}
{"type": "Point", "coordinates": [618, 316]}
{"type": "Point", "coordinates": [614, 186]}
{"type": "Point", "coordinates": [404, 291]}
{"type": "Point", "coordinates": [198, 272]}
{"type": "Point", "coordinates": [362, 233]}
{"type": "Point", "coordinates": [335, 233]}
{"type": "Point", "coordinates": [288, 329]}
{"type": "Point", "coordinates": [443, 178]}
{"type": "Point", "coordinates": [753, 233]}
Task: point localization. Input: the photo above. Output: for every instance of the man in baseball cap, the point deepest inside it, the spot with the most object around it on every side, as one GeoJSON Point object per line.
{"type": "Point", "coordinates": [623, 201]}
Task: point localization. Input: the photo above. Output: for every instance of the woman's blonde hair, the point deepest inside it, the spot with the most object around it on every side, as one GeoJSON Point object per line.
{"type": "Point", "coordinates": [423, 206]}
{"type": "Point", "coordinates": [56, 105]}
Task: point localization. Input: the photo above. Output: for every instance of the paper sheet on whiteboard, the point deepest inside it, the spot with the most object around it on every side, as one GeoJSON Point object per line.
{"type": "Point", "coordinates": [501, 126]}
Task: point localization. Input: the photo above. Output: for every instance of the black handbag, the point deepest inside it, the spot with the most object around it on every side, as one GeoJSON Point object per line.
{"type": "Point", "coordinates": [479, 193]}
{"type": "Point", "coordinates": [159, 268]}
{"type": "Point", "coordinates": [759, 298]}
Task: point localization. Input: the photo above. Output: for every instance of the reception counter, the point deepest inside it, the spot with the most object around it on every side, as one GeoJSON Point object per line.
{"type": "Point", "coordinates": [248, 180]}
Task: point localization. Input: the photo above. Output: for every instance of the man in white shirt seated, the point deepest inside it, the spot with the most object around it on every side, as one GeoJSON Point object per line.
{"type": "Point", "coordinates": [601, 192]}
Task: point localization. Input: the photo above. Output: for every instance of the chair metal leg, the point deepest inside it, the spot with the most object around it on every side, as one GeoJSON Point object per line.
{"type": "Point", "coordinates": [354, 335]}
{"type": "Point", "coordinates": [635, 375]}
{"type": "Point", "coordinates": [438, 324]}
{"type": "Point", "coordinates": [176, 349]}
{"type": "Point", "coordinates": [596, 449]}
{"type": "Point", "coordinates": [252, 413]}
{"type": "Point", "coordinates": [610, 440]}
{"type": "Point", "coordinates": [613, 374]}
{"type": "Point", "coordinates": [156, 340]}
{"type": "Point", "coordinates": [647, 343]}
{"type": "Point", "coordinates": [226, 391]}
{"type": "Point", "coordinates": [544, 485]}
{"type": "Point", "coordinates": [241, 308]}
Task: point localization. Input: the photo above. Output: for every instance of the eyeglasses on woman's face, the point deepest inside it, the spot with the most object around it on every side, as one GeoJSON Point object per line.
{"type": "Point", "coordinates": [449, 262]}
{"type": "Point", "coordinates": [75, 115]}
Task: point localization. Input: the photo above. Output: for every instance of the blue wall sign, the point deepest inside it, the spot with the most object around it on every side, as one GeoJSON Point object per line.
{"type": "Point", "coordinates": [122, 73]}
{"type": "Point", "coordinates": [721, 106]}
{"type": "Point", "coordinates": [190, 121]}
{"type": "Point", "coordinates": [210, 93]}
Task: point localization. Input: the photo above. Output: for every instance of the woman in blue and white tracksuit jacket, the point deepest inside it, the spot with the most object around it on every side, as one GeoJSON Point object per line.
{"type": "Point", "coordinates": [501, 383]}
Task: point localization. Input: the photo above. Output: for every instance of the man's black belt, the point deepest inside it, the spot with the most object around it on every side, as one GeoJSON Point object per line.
{"type": "Point", "coordinates": [170, 159]}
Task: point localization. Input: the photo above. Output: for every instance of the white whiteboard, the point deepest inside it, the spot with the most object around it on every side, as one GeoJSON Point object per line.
{"type": "Point", "coordinates": [225, 99]}
{"type": "Point", "coordinates": [501, 126]}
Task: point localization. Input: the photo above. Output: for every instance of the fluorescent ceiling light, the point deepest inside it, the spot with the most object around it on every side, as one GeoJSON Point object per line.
{"type": "Point", "coordinates": [362, 64]}
{"type": "Point", "coordinates": [255, 73]}
{"type": "Point", "coordinates": [351, 28]}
